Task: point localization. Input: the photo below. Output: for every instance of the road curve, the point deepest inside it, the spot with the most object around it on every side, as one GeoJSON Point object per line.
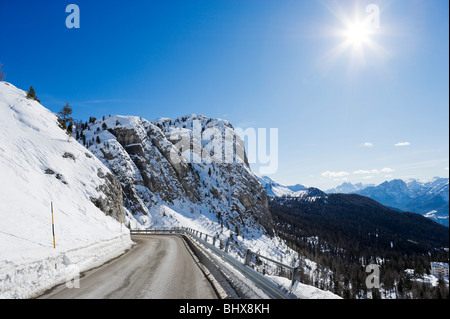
{"type": "Point", "coordinates": [269, 287]}
{"type": "Point", "coordinates": [158, 267]}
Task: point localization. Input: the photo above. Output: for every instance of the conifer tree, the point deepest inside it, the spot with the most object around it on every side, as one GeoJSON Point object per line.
{"type": "Point", "coordinates": [31, 94]}
{"type": "Point", "coordinates": [66, 113]}
{"type": "Point", "coordinates": [2, 75]}
{"type": "Point", "coordinates": [69, 131]}
{"type": "Point", "coordinates": [65, 118]}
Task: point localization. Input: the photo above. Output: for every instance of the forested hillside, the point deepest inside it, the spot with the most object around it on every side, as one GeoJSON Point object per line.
{"type": "Point", "coordinates": [344, 233]}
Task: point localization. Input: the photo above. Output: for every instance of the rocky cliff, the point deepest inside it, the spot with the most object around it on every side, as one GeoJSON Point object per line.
{"type": "Point", "coordinates": [172, 172]}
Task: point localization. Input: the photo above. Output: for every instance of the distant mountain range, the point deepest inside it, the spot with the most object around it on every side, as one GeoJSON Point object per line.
{"type": "Point", "coordinates": [430, 199]}
{"type": "Point", "coordinates": [348, 188]}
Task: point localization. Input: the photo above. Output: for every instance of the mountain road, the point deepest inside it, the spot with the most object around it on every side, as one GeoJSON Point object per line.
{"type": "Point", "coordinates": [158, 267]}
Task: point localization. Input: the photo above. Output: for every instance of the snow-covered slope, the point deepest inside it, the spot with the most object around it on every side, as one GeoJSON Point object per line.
{"type": "Point", "coordinates": [168, 182]}
{"type": "Point", "coordinates": [276, 189]}
{"type": "Point", "coordinates": [40, 166]}
{"type": "Point", "coordinates": [298, 191]}
{"type": "Point", "coordinates": [165, 185]}
{"type": "Point", "coordinates": [158, 179]}
{"type": "Point", "coordinates": [130, 170]}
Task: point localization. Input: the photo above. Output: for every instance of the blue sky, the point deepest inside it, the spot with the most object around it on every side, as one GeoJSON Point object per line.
{"type": "Point", "coordinates": [340, 109]}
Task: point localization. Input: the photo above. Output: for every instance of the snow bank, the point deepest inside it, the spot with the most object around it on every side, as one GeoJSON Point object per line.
{"type": "Point", "coordinates": [303, 291]}
{"type": "Point", "coordinates": [27, 279]}
{"type": "Point", "coordinates": [39, 165]}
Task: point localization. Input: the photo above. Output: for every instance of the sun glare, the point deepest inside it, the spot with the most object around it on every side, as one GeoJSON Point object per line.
{"type": "Point", "coordinates": [357, 34]}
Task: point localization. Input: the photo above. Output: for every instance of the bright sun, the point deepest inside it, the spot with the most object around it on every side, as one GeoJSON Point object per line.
{"type": "Point", "coordinates": [357, 34]}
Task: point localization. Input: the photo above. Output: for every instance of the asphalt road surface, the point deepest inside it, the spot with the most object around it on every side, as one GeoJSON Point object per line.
{"type": "Point", "coordinates": [159, 267]}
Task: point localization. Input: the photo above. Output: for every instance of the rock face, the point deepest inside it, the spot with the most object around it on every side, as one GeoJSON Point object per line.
{"type": "Point", "coordinates": [111, 202]}
{"type": "Point", "coordinates": [193, 165]}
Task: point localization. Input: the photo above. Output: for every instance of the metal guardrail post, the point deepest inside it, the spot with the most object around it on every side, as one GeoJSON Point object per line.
{"type": "Point", "coordinates": [227, 245]}
{"type": "Point", "coordinates": [295, 275]}
{"type": "Point", "coordinates": [248, 257]}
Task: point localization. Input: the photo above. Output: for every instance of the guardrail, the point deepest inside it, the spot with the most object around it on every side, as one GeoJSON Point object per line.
{"type": "Point", "coordinates": [294, 271]}
{"type": "Point", "coordinates": [268, 286]}
{"type": "Point", "coordinates": [156, 231]}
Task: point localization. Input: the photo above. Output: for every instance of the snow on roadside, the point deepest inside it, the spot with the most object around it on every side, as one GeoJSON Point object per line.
{"type": "Point", "coordinates": [303, 291]}
{"type": "Point", "coordinates": [39, 166]}
{"type": "Point", "coordinates": [31, 279]}
{"type": "Point", "coordinates": [245, 285]}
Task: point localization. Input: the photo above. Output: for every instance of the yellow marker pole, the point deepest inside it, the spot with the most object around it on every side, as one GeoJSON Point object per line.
{"type": "Point", "coordinates": [53, 229]}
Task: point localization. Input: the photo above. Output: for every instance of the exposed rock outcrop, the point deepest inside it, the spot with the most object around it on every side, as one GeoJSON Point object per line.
{"type": "Point", "coordinates": [175, 163]}
{"type": "Point", "coordinates": [111, 202]}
